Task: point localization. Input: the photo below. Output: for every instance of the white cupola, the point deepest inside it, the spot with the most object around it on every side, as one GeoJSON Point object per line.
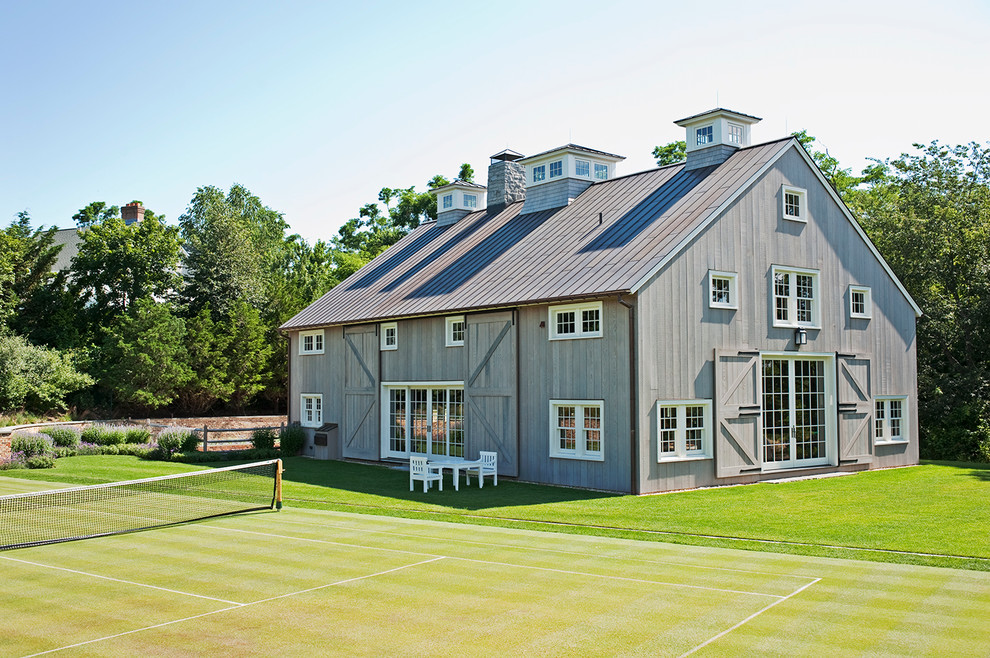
{"type": "Point", "coordinates": [554, 178]}
{"type": "Point", "coordinates": [457, 199]}
{"type": "Point", "coordinates": [713, 136]}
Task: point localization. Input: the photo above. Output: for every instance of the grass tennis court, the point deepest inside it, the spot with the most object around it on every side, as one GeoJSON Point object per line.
{"type": "Point", "coordinates": [306, 582]}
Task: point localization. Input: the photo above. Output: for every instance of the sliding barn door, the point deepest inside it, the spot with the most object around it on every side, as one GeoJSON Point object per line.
{"type": "Point", "coordinates": [359, 433]}
{"type": "Point", "coordinates": [738, 435]}
{"type": "Point", "coordinates": [855, 408]}
{"type": "Point", "coordinates": [490, 389]}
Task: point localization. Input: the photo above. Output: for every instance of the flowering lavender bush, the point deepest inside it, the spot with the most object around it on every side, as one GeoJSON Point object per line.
{"type": "Point", "coordinates": [136, 434]}
{"type": "Point", "coordinates": [15, 460]}
{"type": "Point", "coordinates": [105, 435]}
{"type": "Point", "coordinates": [176, 439]}
{"type": "Point", "coordinates": [63, 436]}
{"type": "Point", "coordinates": [31, 444]}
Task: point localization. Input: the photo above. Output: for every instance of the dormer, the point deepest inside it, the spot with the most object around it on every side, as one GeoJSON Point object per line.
{"type": "Point", "coordinates": [555, 178]}
{"type": "Point", "coordinates": [454, 200]}
{"type": "Point", "coordinates": [713, 136]}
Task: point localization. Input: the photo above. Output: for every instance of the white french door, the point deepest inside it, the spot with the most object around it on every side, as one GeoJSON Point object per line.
{"type": "Point", "coordinates": [423, 420]}
{"type": "Point", "coordinates": [798, 412]}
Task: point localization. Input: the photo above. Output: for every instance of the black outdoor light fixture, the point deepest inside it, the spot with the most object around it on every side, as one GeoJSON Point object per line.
{"type": "Point", "coordinates": [800, 336]}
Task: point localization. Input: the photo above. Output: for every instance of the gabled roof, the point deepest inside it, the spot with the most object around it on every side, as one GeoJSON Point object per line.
{"type": "Point", "coordinates": [611, 239]}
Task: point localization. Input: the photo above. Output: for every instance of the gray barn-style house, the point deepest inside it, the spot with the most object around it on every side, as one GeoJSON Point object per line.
{"type": "Point", "coordinates": [718, 321]}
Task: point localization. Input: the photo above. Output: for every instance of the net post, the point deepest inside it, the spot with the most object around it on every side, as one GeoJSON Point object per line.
{"type": "Point", "coordinates": [278, 484]}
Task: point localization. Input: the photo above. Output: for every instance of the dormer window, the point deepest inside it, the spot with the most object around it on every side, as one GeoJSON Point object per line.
{"type": "Point", "coordinates": [556, 169]}
{"type": "Point", "coordinates": [601, 171]}
{"type": "Point", "coordinates": [471, 200]}
{"type": "Point", "coordinates": [539, 173]}
{"type": "Point", "coordinates": [735, 134]}
{"type": "Point", "coordinates": [448, 200]}
{"type": "Point", "coordinates": [705, 135]}
{"type": "Point", "coordinates": [582, 168]}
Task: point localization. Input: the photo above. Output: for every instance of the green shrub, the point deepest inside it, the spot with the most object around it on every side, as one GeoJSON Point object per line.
{"type": "Point", "coordinates": [174, 440]}
{"type": "Point", "coordinates": [41, 461]}
{"type": "Point", "coordinates": [135, 434]}
{"type": "Point", "coordinates": [31, 444]}
{"type": "Point", "coordinates": [36, 378]}
{"type": "Point", "coordinates": [68, 437]}
{"type": "Point", "coordinates": [264, 439]}
{"type": "Point", "coordinates": [65, 451]}
{"type": "Point", "coordinates": [291, 440]}
{"type": "Point", "coordinates": [136, 449]}
{"type": "Point", "coordinates": [104, 435]}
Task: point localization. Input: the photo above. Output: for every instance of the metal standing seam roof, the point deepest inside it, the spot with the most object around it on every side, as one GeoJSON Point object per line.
{"type": "Point", "coordinates": [506, 259]}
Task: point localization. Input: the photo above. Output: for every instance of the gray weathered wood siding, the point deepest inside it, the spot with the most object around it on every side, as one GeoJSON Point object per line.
{"type": "Point", "coordinates": [422, 354]}
{"type": "Point", "coordinates": [491, 388]}
{"type": "Point", "coordinates": [678, 332]}
{"type": "Point", "coordinates": [583, 369]}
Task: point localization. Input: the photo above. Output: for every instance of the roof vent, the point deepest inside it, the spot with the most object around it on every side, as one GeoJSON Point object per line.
{"type": "Point", "coordinates": [556, 177]}
{"type": "Point", "coordinates": [457, 199]}
{"type": "Point", "coordinates": [714, 135]}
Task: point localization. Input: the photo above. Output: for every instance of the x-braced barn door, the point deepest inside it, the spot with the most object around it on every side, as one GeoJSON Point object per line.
{"type": "Point", "coordinates": [490, 389]}
{"type": "Point", "coordinates": [737, 413]}
{"type": "Point", "coordinates": [360, 423]}
{"type": "Point", "coordinates": [855, 408]}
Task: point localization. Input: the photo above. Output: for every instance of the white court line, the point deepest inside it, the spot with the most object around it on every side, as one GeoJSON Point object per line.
{"type": "Point", "coordinates": [747, 619]}
{"type": "Point", "coordinates": [118, 580]}
{"type": "Point", "coordinates": [233, 607]}
{"type": "Point", "coordinates": [550, 550]}
{"type": "Point", "coordinates": [508, 564]}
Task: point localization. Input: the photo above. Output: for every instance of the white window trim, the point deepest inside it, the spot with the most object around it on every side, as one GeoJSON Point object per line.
{"type": "Point", "coordinates": [578, 333]}
{"type": "Point", "coordinates": [543, 173]}
{"type": "Point", "coordinates": [867, 302]}
{"type": "Point", "coordinates": [733, 289]}
{"type": "Point", "coordinates": [314, 333]}
{"type": "Point", "coordinates": [802, 203]}
{"type": "Point", "coordinates": [578, 162]}
{"type": "Point", "coordinates": [447, 201]}
{"type": "Point", "coordinates": [385, 326]}
{"type": "Point", "coordinates": [816, 320]}
{"type": "Point", "coordinates": [728, 133]}
{"type": "Point", "coordinates": [316, 422]}
{"type": "Point", "coordinates": [473, 203]}
{"type": "Point", "coordinates": [681, 453]}
{"type": "Point", "coordinates": [698, 129]}
{"type": "Point", "coordinates": [579, 453]}
{"type": "Point", "coordinates": [449, 331]}
{"type": "Point", "coordinates": [905, 435]}
{"type": "Point", "coordinates": [596, 165]}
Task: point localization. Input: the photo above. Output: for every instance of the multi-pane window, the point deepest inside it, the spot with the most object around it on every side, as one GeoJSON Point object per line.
{"type": "Point", "coordinates": [890, 420]}
{"type": "Point", "coordinates": [576, 321]}
{"type": "Point", "coordinates": [311, 342]}
{"type": "Point", "coordinates": [601, 171]}
{"type": "Point", "coordinates": [390, 336]}
{"type": "Point", "coordinates": [556, 169]}
{"type": "Point", "coordinates": [539, 173]}
{"type": "Point", "coordinates": [576, 429]}
{"type": "Point", "coordinates": [795, 298]}
{"type": "Point", "coordinates": [311, 410]}
{"type": "Point", "coordinates": [722, 290]}
{"type": "Point", "coordinates": [448, 200]}
{"type": "Point", "coordinates": [470, 200]}
{"type": "Point", "coordinates": [735, 133]}
{"type": "Point", "coordinates": [704, 135]}
{"type": "Point", "coordinates": [455, 331]}
{"type": "Point", "coordinates": [683, 429]}
{"type": "Point", "coordinates": [794, 200]}
{"type": "Point", "coordinates": [582, 168]}
{"type": "Point", "coordinates": [860, 304]}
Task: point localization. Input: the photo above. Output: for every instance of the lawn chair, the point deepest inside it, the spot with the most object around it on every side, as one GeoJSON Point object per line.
{"type": "Point", "coordinates": [488, 465]}
{"type": "Point", "coordinates": [421, 469]}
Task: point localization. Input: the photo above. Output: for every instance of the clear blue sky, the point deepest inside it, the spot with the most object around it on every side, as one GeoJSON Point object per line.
{"type": "Point", "coordinates": [314, 106]}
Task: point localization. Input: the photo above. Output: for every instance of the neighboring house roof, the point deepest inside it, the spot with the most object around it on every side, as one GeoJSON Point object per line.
{"type": "Point", "coordinates": [611, 239]}
{"type": "Point", "coordinates": [70, 240]}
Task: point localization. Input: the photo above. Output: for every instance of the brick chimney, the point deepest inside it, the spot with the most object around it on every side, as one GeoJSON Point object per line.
{"type": "Point", "coordinates": [132, 212]}
{"type": "Point", "coordinates": [506, 180]}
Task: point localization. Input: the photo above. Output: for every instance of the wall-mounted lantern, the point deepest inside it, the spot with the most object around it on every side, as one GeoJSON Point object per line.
{"type": "Point", "coordinates": [800, 336]}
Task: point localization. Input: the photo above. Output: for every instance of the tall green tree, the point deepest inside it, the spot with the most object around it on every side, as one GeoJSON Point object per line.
{"type": "Point", "coordinates": [35, 378]}
{"type": "Point", "coordinates": [671, 153]}
{"type": "Point", "coordinates": [841, 179]}
{"type": "Point", "coordinates": [247, 353]}
{"type": "Point", "coordinates": [208, 358]}
{"type": "Point", "coordinates": [96, 212]}
{"type": "Point", "coordinates": [27, 256]}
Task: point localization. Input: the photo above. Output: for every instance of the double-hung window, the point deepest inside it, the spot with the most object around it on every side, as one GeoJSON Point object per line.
{"type": "Point", "coordinates": [576, 429]}
{"type": "Point", "coordinates": [556, 169]}
{"type": "Point", "coordinates": [722, 290]}
{"type": "Point", "coordinates": [311, 342]}
{"type": "Point", "coordinates": [795, 202]}
{"type": "Point", "coordinates": [576, 321]}
{"type": "Point", "coordinates": [795, 298]}
{"type": "Point", "coordinates": [890, 419]}
{"type": "Point", "coordinates": [539, 173]}
{"type": "Point", "coordinates": [684, 429]}
{"type": "Point", "coordinates": [311, 410]}
{"type": "Point", "coordinates": [389, 336]}
{"type": "Point", "coordinates": [860, 304]}
{"type": "Point", "coordinates": [455, 331]}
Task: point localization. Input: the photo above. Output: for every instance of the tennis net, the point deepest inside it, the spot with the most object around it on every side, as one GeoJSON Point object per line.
{"type": "Point", "coordinates": [46, 517]}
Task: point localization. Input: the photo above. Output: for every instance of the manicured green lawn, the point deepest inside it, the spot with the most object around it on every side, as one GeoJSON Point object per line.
{"type": "Point", "coordinates": [939, 510]}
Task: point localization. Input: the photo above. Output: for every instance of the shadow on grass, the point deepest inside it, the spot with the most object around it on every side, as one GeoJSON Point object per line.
{"type": "Point", "coordinates": [965, 469]}
{"type": "Point", "coordinates": [342, 479]}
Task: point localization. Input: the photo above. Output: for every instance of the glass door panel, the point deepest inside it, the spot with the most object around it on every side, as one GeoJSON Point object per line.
{"type": "Point", "coordinates": [419, 420]}
{"type": "Point", "coordinates": [794, 413]}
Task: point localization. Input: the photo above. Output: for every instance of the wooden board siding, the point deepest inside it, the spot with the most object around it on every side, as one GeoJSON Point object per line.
{"type": "Point", "coordinates": [678, 332]}
{"type": "Point", "coordinates": [422, 354]}
{"type": "Point", "coordinates": [490, 388]}
{"type": "Point", "coordinates": [359, 429]}
{"type": "Point", "coordinates": [584, 369]}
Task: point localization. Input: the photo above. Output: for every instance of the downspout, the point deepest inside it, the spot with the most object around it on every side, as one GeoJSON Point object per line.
{"type": "Point", "coordinates": [633, 398]}
{"type": "Point", "coordinates": [288, 380]}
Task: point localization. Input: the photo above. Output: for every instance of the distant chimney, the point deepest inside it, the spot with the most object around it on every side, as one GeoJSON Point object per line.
{"type": "Point", "coordinates": [715, 135]}
{"type": "Point", "coordinates": [132, 212]}
{"type": "Point", "coordinates": [506, 180]}
{"type": "Point", "coordinates": [457, 199]}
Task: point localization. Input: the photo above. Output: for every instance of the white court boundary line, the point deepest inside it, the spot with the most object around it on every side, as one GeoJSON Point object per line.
{"type": "Point", "coordinates": [544, 550]}
{"type": "Point", "coordinates": [233, 607]}
{"type": "Point", "coordinates": [747, 619]}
